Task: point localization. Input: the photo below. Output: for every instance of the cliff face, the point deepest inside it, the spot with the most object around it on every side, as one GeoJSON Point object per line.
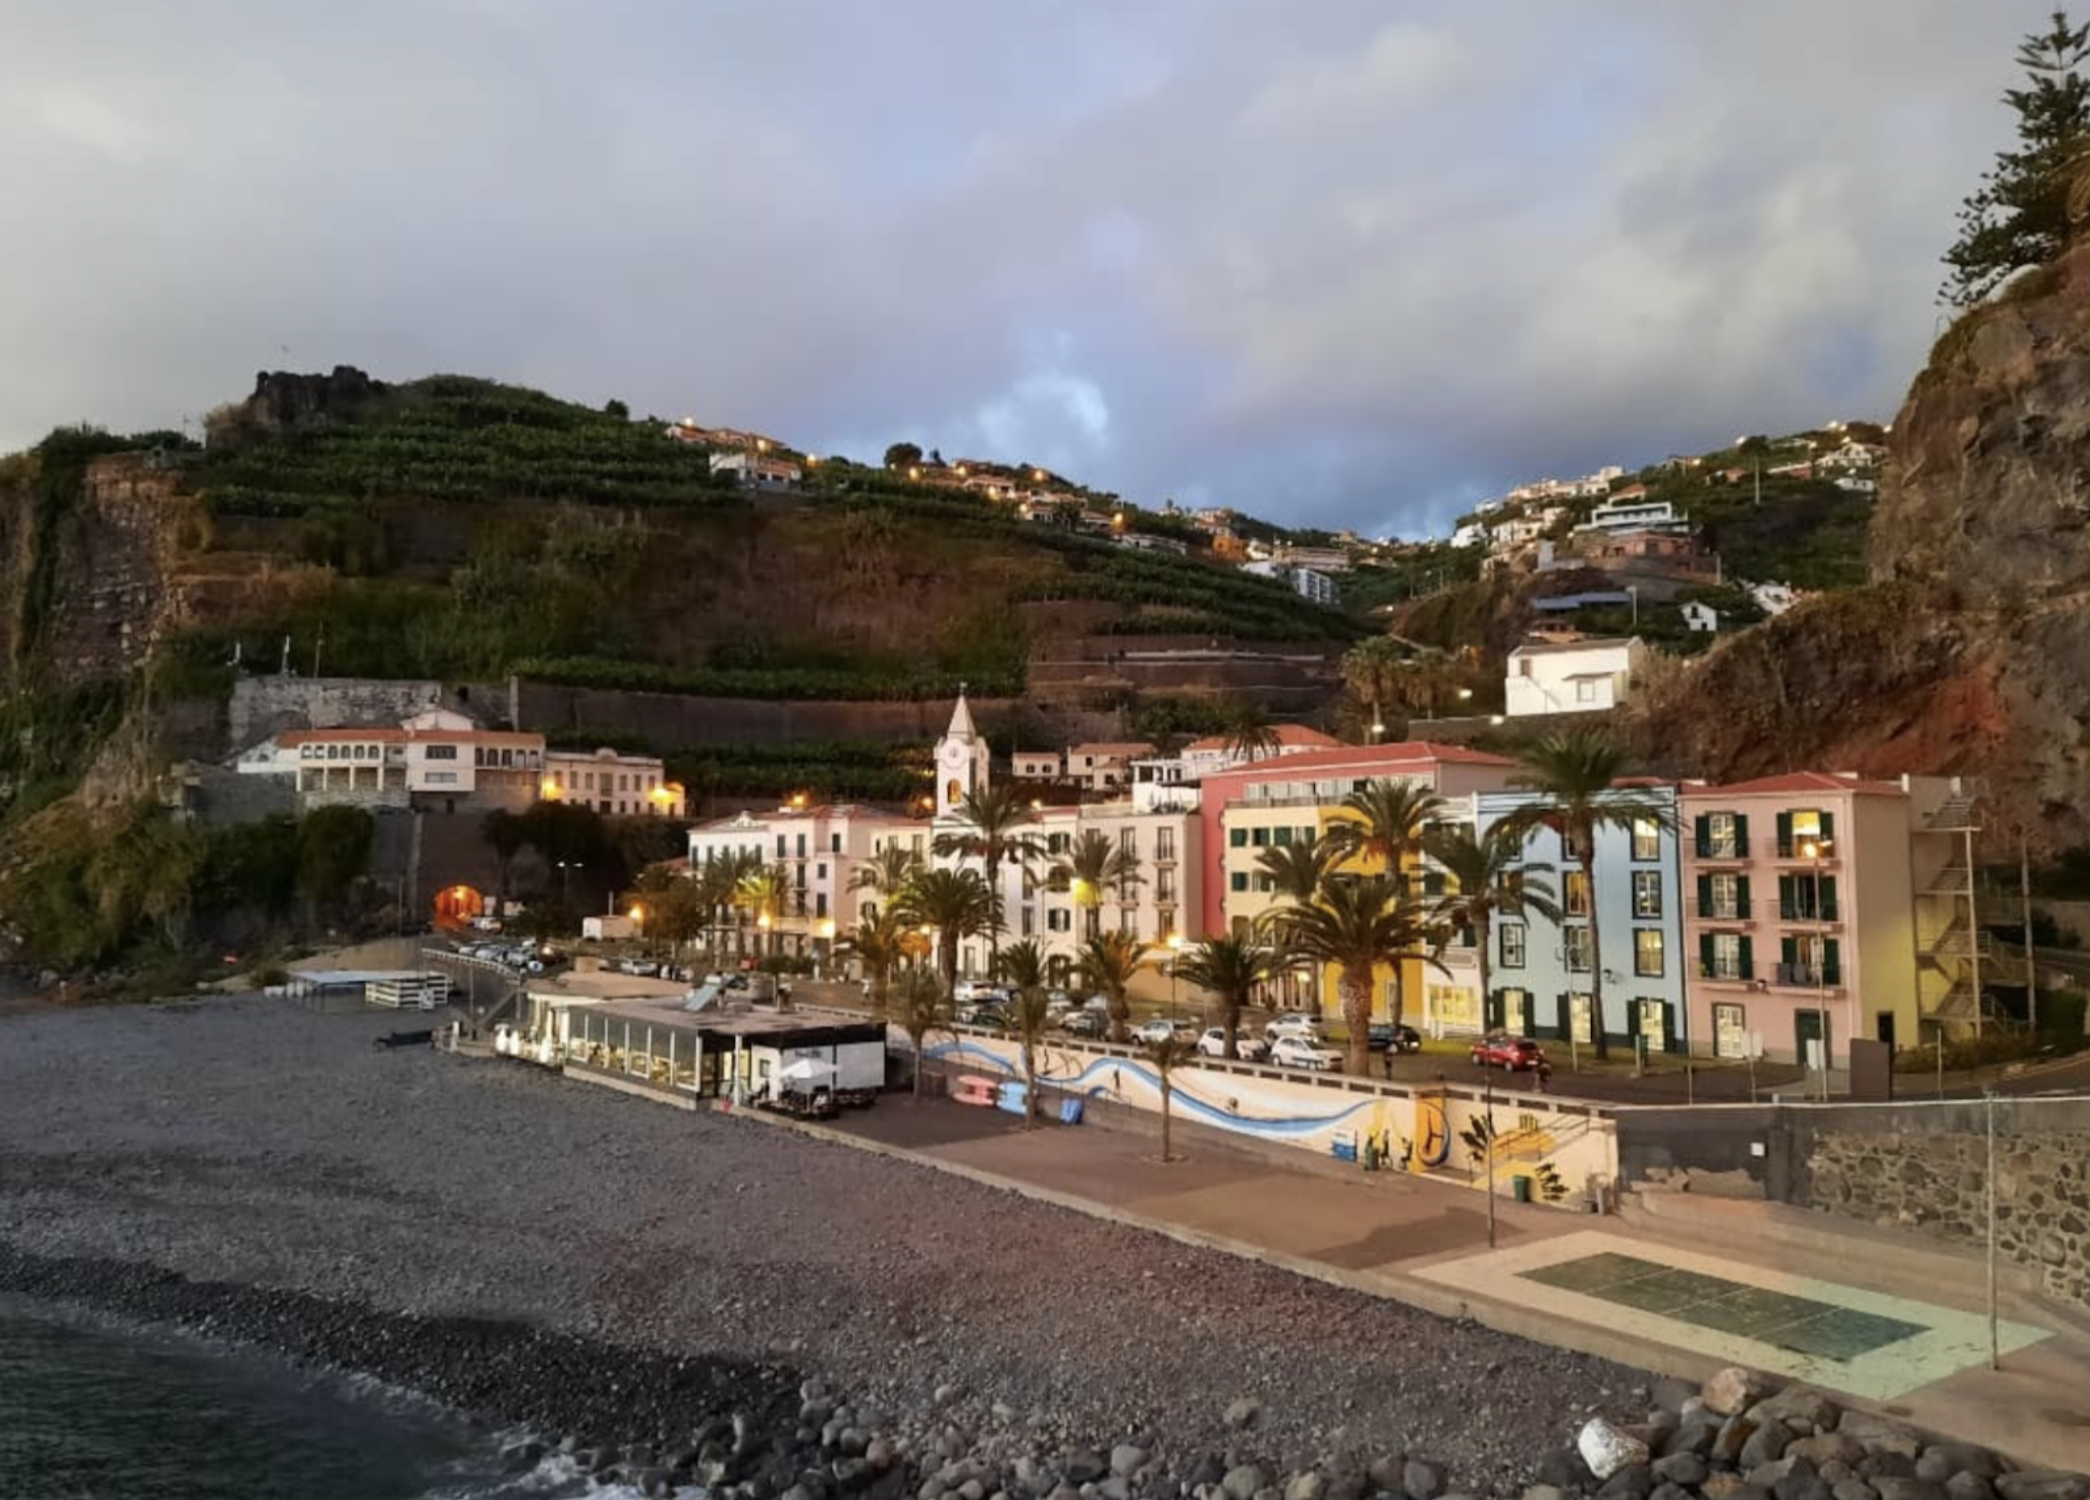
{"type": "Point", "coordinates": [1970, 652]}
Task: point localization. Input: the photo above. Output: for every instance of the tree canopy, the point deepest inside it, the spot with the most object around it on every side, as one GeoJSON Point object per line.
{"type": "Point", "coordinates": [2018, 217]}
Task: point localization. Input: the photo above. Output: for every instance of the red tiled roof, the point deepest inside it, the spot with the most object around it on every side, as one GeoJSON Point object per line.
{"type": "Point", "coordinates": [1404, 752]}
{"type": "Point", "coordinates": [1111, 748]}
{"type": "Point", "coordinates": [1802, 781]}
{"type": "Point", "coordinates": [407, 736]}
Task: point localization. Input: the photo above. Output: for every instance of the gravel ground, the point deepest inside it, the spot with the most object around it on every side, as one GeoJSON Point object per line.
{"type": "Point", "coordinates": [233, 1141]}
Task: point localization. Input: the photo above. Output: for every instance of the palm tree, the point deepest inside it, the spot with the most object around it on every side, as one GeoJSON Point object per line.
{"type": "Point", "coordinates": [886, 873]}
{"type": "Point", "coordinates": [1249, 735]}
{"type": "Point", "coordinates": [1167, 1054]}
{"type": "Point", "coordinates": [719, 882]}
{"type": "Point", "coordinates": [1231, 968]}
{"type": "Point", "coordinates": [1091, 865]}
{"type": "Point", "coordinates": [1297, 870]}
{"type": "Point", "coordinates": [1489, 880]}
{"type": "Point", "coordinates": [958, 904]}
{"type": "Point", "coordinates": [1574, 774]}
{"type": "Point", "coordinates": [920, 1005]}
{"type": "Point", "coordinates": [1358, 924]}
{"type": "Point", "coordinates": [1023, 969]}
{"type": "Point", "coordinates": [1385, 821]}
{"type": "Point", "coordinates": [1109, 962]}
{"type": "Point", "coordinates": [762, 892]}
{"type": "Point", "coordinates": [880, 944]}
{"type": "Point", "coordinates": [993, 817]}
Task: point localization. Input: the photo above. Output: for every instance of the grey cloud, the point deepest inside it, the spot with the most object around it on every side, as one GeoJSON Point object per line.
{"type": "Point", "coordinates": [1341, 264]}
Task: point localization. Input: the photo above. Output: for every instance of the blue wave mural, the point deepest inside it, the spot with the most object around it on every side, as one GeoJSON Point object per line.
{"type": "Point", "coordinates": [1185, 1101]}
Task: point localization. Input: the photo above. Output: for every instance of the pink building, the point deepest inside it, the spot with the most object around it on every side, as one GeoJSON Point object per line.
{"type": "Point", "coordinates": [1824, 906]}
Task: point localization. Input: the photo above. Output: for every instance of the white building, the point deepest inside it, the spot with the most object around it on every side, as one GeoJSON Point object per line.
{"type": "Point", "coordinates": [1773, 598]}
{"type": "Point", "coordinates": [615, 785]}
{"type": "Point", "coordinates": [437, 760]}
{"type": "Point", "coordinates": [1105, 765]}
{"type": "Point", "coordinates": [1305, 582]}
{"type": "Point", "coordinates": [1319, 559]}
{"type": "Point", "coordinates": [1472, 534]}
{"type": "Point", "coordinates": [1172, 782]}
{"type": "Point", "coordinates": [819, 850]}
{"type": "Point", "coordinates": [764, 471]}
{"type": "Point", "coordinates": [1853, 456]}
{"type": "Point", "coordinates": [1035, 765]}
{"type": "Point", "coordinates": [1573, 677]}
{"type": "Point", "coordinates": [1632, 513]}
{"type": "Point", "coordinates": [1699, 616]}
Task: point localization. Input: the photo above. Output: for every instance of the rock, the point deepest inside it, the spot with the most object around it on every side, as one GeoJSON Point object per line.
{"type": "Point", "coordinates": [1855, 1489]}
{"type": "Point", "coordinates": [1607, 1449]}
{"type": "Point", "coordinates": [1965, 1458]}
{"type": "Point", "coordinates": [1672, 1492]}
{"type": "Point", "coordinates": [878, 1453]}
{"type": "Point", "coordinates": [1802, 1485]}
{"type": "Point", "coordinates": [1895, 1487]}
{"type": "Point", "coordinates": [1765, 1445]}
{"type": "Point", "coordinates": [1934, 1467]}
{"type": "Point", "coordinates": [1633, 1482]}
{"type": "Point", "coordinates": [1208, 1470]}
{"type": "Point", "coordinates": [1117, 1487]}
{"type": "Point", "coordinates": [1564, 1469]}
{"type": "Point", "coordinates": [1730, 1487]}
{"type": "Point", "coordinates": [1243, 1482]}
{"type": "Point", "coordinates": [1799, 1407]}
{"type": "Point", "coordinates": [853, 1474]}
{"type": "Point", "coordinates": [1671, 1394]}
{"type": "Point", "coordinates": [1126, 1459]}
{"type": "Point", "coordinates": [1694, 1434]}
{"type": "Point", "coordinates": [1385, 1472]}
{"type": "Point", "coordinates": [1734, 1390]}
{"type": "Point", "coordinates": [1423, 1480]}
{"type": "Point", "coordinates": [1965, 1486]}
{"type": "Point", "coordinates": [1888, 1463]}
{"type": "Point", "coordinates": [2041, 1484]}
{"type": "Point", "coordinates": [1681, 1468]}
{"type": "Point", "coordinates": [946, 1394]}
{"type": "Point", "coordinates": [1086, 1466]}
{"type": "Point", "coordinates": [1828, 1447]}
{"type": "Point", "coordinates": [520, 1458]}
{"type": "Point", "coordinates": [1545, 1492]}
{"type": "Point", "coordinates": [1307, 1486]}
{"type": "Point", "coordinates": [1878, 1434]}
{"type": "Point", "coordinates": [1728, 1442]}
{"type": "Point", "coordinates": [1243, 1413]}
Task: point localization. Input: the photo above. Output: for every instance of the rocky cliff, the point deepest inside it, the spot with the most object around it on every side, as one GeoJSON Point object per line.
{"type": "Point", "coordinates": [1970, 651]}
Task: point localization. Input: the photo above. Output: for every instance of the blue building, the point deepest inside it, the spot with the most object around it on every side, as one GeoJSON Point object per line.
{"type": "Point", "coordinates": [1540, 972]}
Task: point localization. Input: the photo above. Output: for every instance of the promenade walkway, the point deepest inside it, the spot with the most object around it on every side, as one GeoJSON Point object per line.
{"type": "Point", "coordinates": [1887, 1321]}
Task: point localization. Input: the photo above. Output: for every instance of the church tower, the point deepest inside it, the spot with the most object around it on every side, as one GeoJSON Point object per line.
{"type": "Point", "coordinates": [961, 762]}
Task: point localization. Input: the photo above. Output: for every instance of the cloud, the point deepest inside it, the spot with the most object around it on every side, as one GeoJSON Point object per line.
{"type": "Point", "coordinates": [1330, 266]}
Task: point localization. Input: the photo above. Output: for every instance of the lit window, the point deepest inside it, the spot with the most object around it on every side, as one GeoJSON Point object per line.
{"type": "Point", "coordinates": [1647, 951]}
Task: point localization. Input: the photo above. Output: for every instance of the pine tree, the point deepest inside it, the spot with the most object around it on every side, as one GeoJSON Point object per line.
{"type": "Point", "coordinates": [2019, 217]}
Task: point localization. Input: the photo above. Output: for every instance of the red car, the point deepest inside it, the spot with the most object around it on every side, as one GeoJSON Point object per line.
{"type": "Point", "coordinates": [1512, 1054]}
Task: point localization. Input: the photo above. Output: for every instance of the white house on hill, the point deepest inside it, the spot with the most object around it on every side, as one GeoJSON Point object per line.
{"type": "Point", "coordinates": [1574, 677]}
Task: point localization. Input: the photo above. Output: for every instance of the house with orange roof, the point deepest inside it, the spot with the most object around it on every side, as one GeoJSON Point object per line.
{"type": "Point", "coordinates": [1829, 906]}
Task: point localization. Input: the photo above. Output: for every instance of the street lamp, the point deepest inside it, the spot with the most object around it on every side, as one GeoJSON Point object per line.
{"type": "Point", "coordinates": [1817, 850]}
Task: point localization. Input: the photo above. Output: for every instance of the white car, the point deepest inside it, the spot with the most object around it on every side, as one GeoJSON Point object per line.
{"type": "Point", "coordinates": [1160, 1030]}
{"type": "Point", "coordinates": [1246, 1047]}
{"type": "Point", "coordinates": [979, 992]}
{"type": "Point", "coordinates": [1299, 1025]}
{"type": "Point", "coordinates": [1295, 1052]}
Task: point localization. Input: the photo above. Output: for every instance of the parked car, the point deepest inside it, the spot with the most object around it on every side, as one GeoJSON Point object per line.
{"type": "Point", "coordinates": [1297, 1052]}
{"type": "Point", "coordinates": [979, 992]}
{"type": "Point", "coordinates": [1160, 1029]}
{"type": "Point", "coordinates": [1298, 1025]}
{"type": "Point", "coordinates": [1512, 1054]}
{"type": "Point", "coordinates": [1247, 1048]}
{"type": "Point", "coordinates": [990, 1016]}
{"type": "Point", "coordinates": [1086, 1023]}
{"type": "Point", "coordinates": [1386, 1037]}
{"type": "Point", "coordinates": [1058, 1002]}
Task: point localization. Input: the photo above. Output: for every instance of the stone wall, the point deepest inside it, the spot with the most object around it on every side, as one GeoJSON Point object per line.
{"type": "Point", "coordinates": [1926, 1168]}
{"type": "Point", "coordinates": [262, 706]}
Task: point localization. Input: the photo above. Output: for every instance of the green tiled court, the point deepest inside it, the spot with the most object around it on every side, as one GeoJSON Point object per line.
{"type": "Point", "coordinates": [1820, 1330]}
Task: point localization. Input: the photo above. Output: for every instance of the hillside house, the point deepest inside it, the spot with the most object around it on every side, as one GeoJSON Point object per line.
{"type": "Point", "coordinates": [1631, 510]}
{"type": "Point", "coordinates": [758, 470]}
{"type": "Point", "coordinates": [1586, 676]}
{"type": "Point", "coordinates": [1700, 617]}
{"type": "Point", "coordinates": [615, 785]}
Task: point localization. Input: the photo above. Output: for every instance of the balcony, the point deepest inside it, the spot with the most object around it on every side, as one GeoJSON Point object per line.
{"type": "Point", "coordinates": [1748, 914]}
{"type": "Point", "coordinates": [1792, 850]}
{"type": "Point", "coordinates": [1806, 977]}
{"type": "Point", "coordinates": [1728, 972]}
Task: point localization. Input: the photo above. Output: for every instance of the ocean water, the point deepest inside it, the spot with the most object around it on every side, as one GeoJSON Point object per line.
{"type": "Point", "coordinates": [92, 1413]}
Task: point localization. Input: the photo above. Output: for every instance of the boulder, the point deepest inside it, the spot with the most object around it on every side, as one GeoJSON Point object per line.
{"type": "Point", "coordinates": [1672, 1492]}
{"type": "Point", "coordinates": [1307, 1486]}
{"type": "Point", "coordinates": [1855, 1489]}
{"type": "Point", "coordinates": [1896, 1487]}
{"type": "Point", "coordinates": [1728, 1442]}
{"type": "Point", "coordinates": [1386, 1471]}
{"type": "Point", "coordinates": [1965, 1486]}
{"type": "Point", "coordinates": [1828, 1447]}
{"type": "Point", "coordinates": [1423, 1480]}
{"type": "Point", "coordinates": [1607, 1449]}
{"type": "Point", "coordinates": [1801, 1407]}
{"type": "Point", "coordinates": [1242, 1482]}
{"type": "Point", "coordinates": [2042, 1484]}
{"type": "Point", "coordinates": [1730, 1487]}
{"type": "Point", "coordinates": [1086, 1466]}
{"type": "Point", "coordinates": [1244, 1413]}
{"type": "Point", "coordinates": [1879, 1434]}
{"type": "Point", "coordinates": [1633, 1482]}
{"type": "Point", "coordinates": [1681, 1468]}
{"type": "Point", "coordinates": [1734, 1390]}
{"type": "Point", "coordinates": [1127, 1459]}
{"type": "Point", "coordinates": [1564, 1469]}
{"type": "Point", "coordinates": [1965, 1458]}
{"type": "Point", "coordinates": [1765, 1445]}
{"type": "Point", "coordinates": [1545, 1492]}
{"type": "Point", "coordinates": [1694, 1434]}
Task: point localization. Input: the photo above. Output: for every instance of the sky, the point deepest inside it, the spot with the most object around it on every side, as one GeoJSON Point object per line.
{"type": "Point", "coordinates": [1349, 263]}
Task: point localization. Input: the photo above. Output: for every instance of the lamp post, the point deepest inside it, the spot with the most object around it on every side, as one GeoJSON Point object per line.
{"type": "Point", "coordinates": [1488, 1142]}
{"type": "Point", "coordinates": [566, 867]}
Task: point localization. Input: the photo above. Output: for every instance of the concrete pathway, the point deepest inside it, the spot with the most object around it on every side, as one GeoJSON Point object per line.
{"type": "Point", "coordinates": [1904, 1333]}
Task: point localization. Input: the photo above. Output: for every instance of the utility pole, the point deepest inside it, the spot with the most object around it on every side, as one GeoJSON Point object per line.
{"type": "Point", "coordinates": [318, 646]}
{"type": "Point", "coordinates": [1488, 1137]}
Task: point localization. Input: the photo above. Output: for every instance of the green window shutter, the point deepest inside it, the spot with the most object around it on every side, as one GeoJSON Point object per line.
{"type": "Point", "coordinates": [1705, 894]}
{"type": "Point", "coordinates": [1705, 953]}
{"type": "Point", "coordinates": [1788, 902]}
{"type": "Point", "coordinates": [1828, 826]}
{"type": "Point", "coordinates": [1704, 828]}
{"type": "Point", "coordinates": [1748, 959]}
{"type": "Point", "coordinates": [1284, 838]}
{"type": "Point", "coordinates": [1785, 833]}
{"type": "Point", "coordinates": [1828, 898]}
{"type": "Point", "coordinates": [1832, 962]}
{"type": "Point", "coordinates": [1741, 893]}
{"type": "Point", "coordinates": [1237, 838]}
{"type": "Point", "coordinates": [1741, 831]}
{"type": "Point", "coordinates": [1239, 880]}
{"type": "Point", "coordinates": [1788, 950]}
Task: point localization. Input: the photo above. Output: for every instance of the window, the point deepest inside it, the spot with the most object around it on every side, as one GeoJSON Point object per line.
{"type": "Point", "coordinates": [1164, 843]}
{"type": "Point", "coordinates": [1575, 941]}
{"type": "Point", "coordinates": [1720, 836]}
{"type": "Point", "coordinates": [1164, 885]}
{"type": "Point", "coordinates": [1585, 690]}
{"type": "Point", "coordinates": [820, 870]}
{"type": "Point", "coordinates": [1575, 890]}
{"type": "Point", "coordinates": [1266, 883]}
{"type": "Point", "coordinates": [1237, 838]}
{"type": "Point", "coordinates": [1647, 839]}
{"type": "Point", "coordinates": [1654, 1022]}
{"type": "Point", "coordinates": [1570, 846]}
{"type": "Point", "coordinates": [1284, 838]}
{"type": "Point", "coordinates": [507, 760]}
{"type": "Point", "coordinates": [1730, 1031]}
{"type": "Point", "coordinates": [1581, 1019]}
{"type": "Point", "coordinates": [1128, 922]}
{"type": "Point", "coordinates": [1647, 952]}
{"type": "Point", "coordinates": [1128, 842]}
{"type": "Point", "coordinates": [800, 846]}
{"type": "Point", "coordinates": [1057, 843]}
{"type": "Point", "coordinates": [780, 846]}
{"type": "Point", "coordinates": [820, 904]}
{"type": "Point", "coordinates": [834, 843]}
{"type": "Point", "coordinates": [1029, 921]}
{"type": "Point", "coordinates": [1647, 893]}
{"type": "Point", "coordinates": [333, 752]}
{"type": "Point", "coordinates": [954, 791]}
{"type": "Point", "coordinates": [442, 778]}
{"type": "Point", "coordinates": [1513, 936]}
{"type": "Point", "coordinates": [1237, 881]}
{"type": "Point", "coordinates": [1725, 955]}
{"type": "Point", "coordinates": [1059, 921]}
{"type": "Point", "coordinates": [1259, 837]}
{"type": "Point", "coordinates": [1454, 1007]}
{"type": "Point", "coordinates": [442, 752]}
{"type": "Point", "coordinates": [1721, 898]}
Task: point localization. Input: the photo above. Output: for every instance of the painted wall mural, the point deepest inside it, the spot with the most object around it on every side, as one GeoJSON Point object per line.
{"type": "Point", "coordinates": [1438, 1131]}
